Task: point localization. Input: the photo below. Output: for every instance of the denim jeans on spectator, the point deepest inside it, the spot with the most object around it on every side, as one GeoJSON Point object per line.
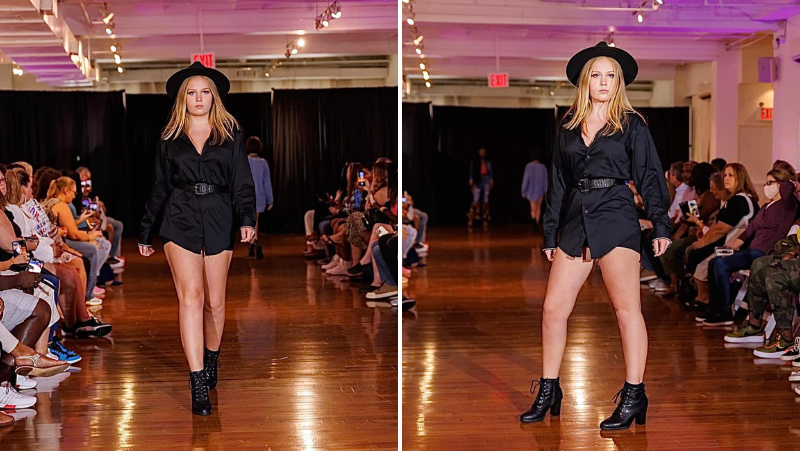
{"type": "Point", "coordinates": [423, 225]}
{"type": "Point", "coordinates": [383, 268]}
{"type": "Point", "coordinates": [118, 228]}
{"type": "Point", "coordinates": [720, 270]}
{"type": "Point", "coordinates": [54, 281]}
{"type": "Point", "coordinates": [97, 257]}
{"type": "Point", "coordinates": [409, 238]}
{"type": "Point", "coordinates": [325, 228]}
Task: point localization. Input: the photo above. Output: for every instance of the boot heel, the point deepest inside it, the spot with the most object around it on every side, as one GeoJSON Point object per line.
{"type": "Point", "coordinates": [555, 409]}
{"type": "Point", "coordinates": [641, 417]}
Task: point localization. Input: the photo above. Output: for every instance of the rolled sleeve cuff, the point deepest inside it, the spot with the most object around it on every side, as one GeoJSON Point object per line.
{"type": "Point", "coordinates": [550, 242]}
{"type": "Point", "coordinates": [661, 231]}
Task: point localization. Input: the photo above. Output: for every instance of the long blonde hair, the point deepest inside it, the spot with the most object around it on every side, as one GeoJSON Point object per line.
{"type": "Point", "coordinates": [618, 104]}
{"type": "Point", "coordinates": [57, 187]}
{"type": "Point", "coordinates": [223, 124]}
{"type": "Point", "coordinates": [16, 181]}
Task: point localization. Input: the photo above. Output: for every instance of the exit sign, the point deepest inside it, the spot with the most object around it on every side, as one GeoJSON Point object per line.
{"type": "Point", "coordinates": [206, 59]}
{"type": "Point", "coordinates": [498, 80]}
{"type": "Point", "coordinates": [766, 114]}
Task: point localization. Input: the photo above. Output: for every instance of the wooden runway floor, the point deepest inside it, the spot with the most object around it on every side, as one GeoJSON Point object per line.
{"type": "Point", "coordinates": [473, 346]}
{"type": "Point", "coordinates": [304, 366]}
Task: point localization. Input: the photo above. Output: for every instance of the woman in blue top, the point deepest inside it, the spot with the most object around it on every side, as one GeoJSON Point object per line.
{"type": "Point", "coordinates": [534, 186]}
{"type": "Point", "coordinates": [261, 176]}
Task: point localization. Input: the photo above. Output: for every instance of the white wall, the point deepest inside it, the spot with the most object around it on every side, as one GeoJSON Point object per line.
{"type": "Point", "coordinates": [786, 120]}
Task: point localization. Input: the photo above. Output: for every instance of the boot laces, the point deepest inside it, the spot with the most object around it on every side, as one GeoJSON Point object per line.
{"type": "Point", "coordinates": [623, 397]}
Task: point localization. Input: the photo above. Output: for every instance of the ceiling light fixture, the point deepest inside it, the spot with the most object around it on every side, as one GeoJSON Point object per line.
{"type": "Point", "coordinates": [333, 11]}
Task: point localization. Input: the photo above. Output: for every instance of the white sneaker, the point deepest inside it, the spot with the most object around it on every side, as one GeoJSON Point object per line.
{"type": "Point", "coordinates": [26, 383]}
{"type": "Point", "coordinates": [334, 262]}
{"type": "Point", "coordinates": [795, 376]}
{"type": "Point", "coordinates": [340, 270]}
{"type": "Point", "coordinates": [660, 286]}
{"type": "Point", "coordinates": [93, 301]}
{"type": "Point", "coordinates": [12, 399]}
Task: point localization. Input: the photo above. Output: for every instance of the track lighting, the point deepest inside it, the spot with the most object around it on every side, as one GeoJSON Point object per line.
{"type": "Point", "coordinates": [294, 46]}
{"type": "Point", "coordinates": [113, 48]}
{"type": "Point", "coordinates": [640, 18]}
{"type": "Point", "coordinates": [120, 69]}
{"type": "Point", "coordinates": [333, 11]}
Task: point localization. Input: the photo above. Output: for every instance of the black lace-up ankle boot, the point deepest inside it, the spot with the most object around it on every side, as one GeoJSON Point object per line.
{"type": "Point", "coordinates": [549, 398]}
{"type": "Point", "coordinates": [632, 406]}
{"type": "Point", "coordinates": [210, 359]}
{"type": "Point", "coordinates": [201, 404]}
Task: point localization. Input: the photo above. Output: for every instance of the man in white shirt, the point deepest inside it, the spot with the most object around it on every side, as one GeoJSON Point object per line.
{"type": "Point", "coordinates": [676, 179]}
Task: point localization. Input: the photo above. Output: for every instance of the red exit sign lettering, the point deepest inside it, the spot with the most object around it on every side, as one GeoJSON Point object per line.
{"type": "Point", "coordinates": [206, 59]}
{"type": "Point", "coordinates": [498, 80]}
{"type": "Point", "coordinates": [766, 114]}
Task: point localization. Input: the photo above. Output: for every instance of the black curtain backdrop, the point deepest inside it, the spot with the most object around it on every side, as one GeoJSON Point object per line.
{"type": "Point", "coordinates": [148, 114]}
{"type": "Point", "coordinates": [70, 129]}
{"type": "Point", "coordinates": [115, 135]}
{"type": "Point", "coordinates": [437, 151]}
{"type": "Point", "coordinates": [439, 170]}
{"type": "Point", "coordinates": [316, 133]}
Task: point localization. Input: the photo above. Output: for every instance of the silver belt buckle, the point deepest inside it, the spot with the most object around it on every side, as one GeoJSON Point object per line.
{"type": "Point", "coordinates": [200, 189]}
{"type": "Point", "coordinates": [583, 186]}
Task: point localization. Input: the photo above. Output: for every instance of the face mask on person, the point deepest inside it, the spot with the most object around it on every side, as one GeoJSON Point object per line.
{"type": "Point", "coordinates": [771, 190]}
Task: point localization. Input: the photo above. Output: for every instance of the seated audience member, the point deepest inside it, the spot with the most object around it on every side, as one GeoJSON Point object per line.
{"type": "Point", "coordinates": [113, 227]}
{"type": "Point", "coordinates": [676, 180]}
{"type": "Point", "coordinates": [334, 232]}
{"type": "Point", "coordinates": [719, 164]}
{"type": "Point", "coordinates": [72, 293]}
{"type": "Point", "coordinates": [707, 205]}
{"type": "Point", "coordinates": [733, 217]}
{"type": "Point", "coordinates": [41, 184]}
{"type": "Point", "coordinates": [774, 280]}
{"type": "Point", "coordinates": [674, 259]}
{"type": "Point", "coordinates": [379, 216]}
{"type": "Point", "coordinates": [91, 244]}
{"type": "Point", "coordinates": [261, 176]}
{"type": "Point", "coordinates": [769, 225]}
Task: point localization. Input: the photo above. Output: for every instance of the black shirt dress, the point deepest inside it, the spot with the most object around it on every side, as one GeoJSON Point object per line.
{"type": "Point", "coordinates": [194, 221]}
{"type": "Point", "coordinates": [603, 219]}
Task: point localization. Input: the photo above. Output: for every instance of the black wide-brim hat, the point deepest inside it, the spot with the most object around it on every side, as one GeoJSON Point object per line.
{"type": "Point", "coordinates": [629, 67]}
{"type": "Point", "coordinates": [197, 68]}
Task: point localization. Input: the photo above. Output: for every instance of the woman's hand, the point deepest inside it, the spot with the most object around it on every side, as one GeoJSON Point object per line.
{"type": "Point", "coordinates": [248, 234]}
{"type": "Point", "coordinates": [146, 251]}
{"type": "Point", "coordinates": [86, 214]}
{"type": "Point", "coordinates": [660, 246]}
{"type": "Point", "coordinates": [95, 234]}
{"type": "Point", "coordinates": [550, 254]}
{"type": "Point", "coordinates": [57, 250]}
{"type": "Point", "coordinates": [21, 259]}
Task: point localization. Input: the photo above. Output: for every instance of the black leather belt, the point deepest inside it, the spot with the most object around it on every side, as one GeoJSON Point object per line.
{"type": "Point", "coordinates": [201, 189]}
{"type": "Point", "coordinates": [586, 185]}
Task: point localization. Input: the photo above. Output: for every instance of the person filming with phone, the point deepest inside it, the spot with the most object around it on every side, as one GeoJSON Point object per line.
{"type": "Point", "coordinates": [770, 224]}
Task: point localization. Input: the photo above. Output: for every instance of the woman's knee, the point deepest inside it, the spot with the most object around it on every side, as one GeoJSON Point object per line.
{"type": "Point", "coordinates": [554, 311]}
{"type": "Point", "coordinates": [42, 309]}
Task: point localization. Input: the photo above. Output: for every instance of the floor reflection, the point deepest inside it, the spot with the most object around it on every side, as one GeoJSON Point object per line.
{"type": "Point", "coordinates": [305, 365]}
{"type": "Point", "coordinates": [473, 345]}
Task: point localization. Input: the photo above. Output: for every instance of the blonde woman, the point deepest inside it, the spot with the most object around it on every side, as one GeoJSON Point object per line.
{"type": "Point", "coordinates": [72, 288]}
{"type": "Point", "coordinates": [601, 144]}
{"type": "Point", "coordinates": [91, 244]}
{"type": "Point", "coordinates": [202, 180]}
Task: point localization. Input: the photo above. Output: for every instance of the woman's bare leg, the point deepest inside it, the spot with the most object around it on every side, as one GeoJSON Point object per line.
{"type": "Point", "coordinates": [187, 272]}
{"type": "Point", "coordinates": [567, 277]}
{"type": "Point", "coordinates": [216, 271]}
{"type": "Point", "coordinates": [620, 269]}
